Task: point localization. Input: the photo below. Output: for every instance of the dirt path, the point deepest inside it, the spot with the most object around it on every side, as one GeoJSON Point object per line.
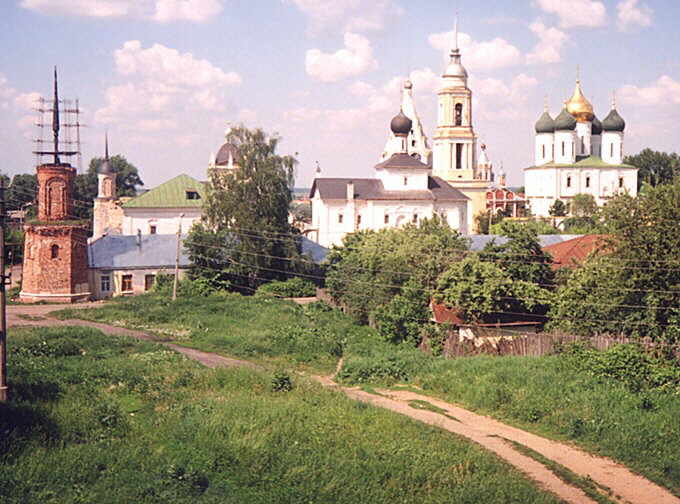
{"type": "Point", "coordinates": [626, 486]}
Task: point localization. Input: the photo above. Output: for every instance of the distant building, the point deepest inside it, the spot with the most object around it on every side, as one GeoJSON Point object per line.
{"type": "Point", "coordinates": [402, 192]}
{"type": "Point", "coordinates": [575, 153]}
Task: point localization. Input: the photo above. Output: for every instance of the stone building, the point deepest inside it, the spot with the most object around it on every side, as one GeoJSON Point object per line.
{"type": "Point", "coordinates": [107, 213]}
{"type": "Point", "coordinates": [576, 153]}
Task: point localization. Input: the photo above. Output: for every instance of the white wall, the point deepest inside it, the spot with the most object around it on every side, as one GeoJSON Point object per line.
{"type": "Point", "coordinates": [612, 147]}
{"type": "Point", "coordinates": [166, 220]}
{"type": "Point", "coordinates": [544, 140]}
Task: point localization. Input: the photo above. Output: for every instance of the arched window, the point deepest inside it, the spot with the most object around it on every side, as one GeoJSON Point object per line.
{"type": "Point", "coordinates": [459, 114]}
{"type": "Point", "coordinates": [54, 251]}
{"type": "Point", "coordinates": [459, 156]}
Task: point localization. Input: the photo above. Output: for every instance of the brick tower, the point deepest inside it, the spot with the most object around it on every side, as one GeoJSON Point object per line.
{"type": "Point", "coordinates": [55, 249]}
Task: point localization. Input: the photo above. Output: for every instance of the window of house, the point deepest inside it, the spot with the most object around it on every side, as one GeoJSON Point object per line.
{"type": "Point", "coordinates": [568, 181]}
{"type": "Point", "coordinates": [587, 181]}
{"type": "Point", "coordinates": [620, 182]}
{"type": "Point", "coordinates": [459, 114]}
{"type": "Point", "coordinates": [105, 283]}
{"type": "Point", "coordinates": [459, 156]}
{"type": "Point", "coordinates": [193, 195]}
{"type": "Point", "coordinates": [54, 251]}
{"type": "Point", "coordinates": [387, 219]}
{"type": "Point", "coordinates": [405, 180]}
{"type": "Point", "coordinates": [340, 218]}
{"type": "Point", "coordinates": [152, 229]}
{"type": "Point", "coordinates": [149, 281]}
{"type": "Point", "coordinates": [126, 283]}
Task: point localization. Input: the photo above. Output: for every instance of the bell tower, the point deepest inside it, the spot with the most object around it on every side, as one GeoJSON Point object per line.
{"type": "Point", "coordinates": [55, 249]}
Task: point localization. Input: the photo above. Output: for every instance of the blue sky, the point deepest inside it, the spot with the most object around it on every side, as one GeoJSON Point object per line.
{"type": "Point", "coordinates": [165, 77]}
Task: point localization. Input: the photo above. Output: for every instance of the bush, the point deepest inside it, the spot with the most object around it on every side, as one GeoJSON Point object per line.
{"type": "Point", "coordinates": [293, 287]}
{"type": "Point", "coordinates": [281, 382]}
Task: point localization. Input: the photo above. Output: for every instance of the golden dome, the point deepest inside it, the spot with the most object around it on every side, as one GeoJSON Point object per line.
{"type": "Point", "coordinates": [579, 106]}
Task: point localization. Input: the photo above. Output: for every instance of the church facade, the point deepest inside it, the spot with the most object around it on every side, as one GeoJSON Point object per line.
{"type": "Point", "coordinates": [576, 153]}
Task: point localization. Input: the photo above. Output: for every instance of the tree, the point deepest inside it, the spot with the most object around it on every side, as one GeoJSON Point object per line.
{"type": "Point", "coordinates": [654, 167]}
{"type": "Point", "coordinates": [487, 218]}
{"type": "Point", "coordinates": [246, 239]}
{"type": "Point", "coordinates": [537, 225]}
{"type": "Point", "coordinates": [635, 288]}
{"type": "Point", "coordinates": [583, 205]}
{"type": "Point", "coordinates": [558, 209]}
{"type": "Point", "coordinates": [301, 213]}
{"type": "Point", "coordinates": [22, 191]}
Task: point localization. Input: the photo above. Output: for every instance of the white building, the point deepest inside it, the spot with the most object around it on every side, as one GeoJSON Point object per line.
{"type": "Point", "coordinates": [403, 191]}
{"type": "Point", "coordinates": [575, 153]}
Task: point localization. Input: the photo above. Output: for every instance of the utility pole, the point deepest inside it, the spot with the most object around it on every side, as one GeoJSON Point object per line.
{"type": "Point", "coordinates": [179, 234]}
{"type": "Point", "coordinates": [3, 301]}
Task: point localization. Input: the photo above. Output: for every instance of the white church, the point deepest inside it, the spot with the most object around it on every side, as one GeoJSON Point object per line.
{"type": "Point", "coordinates": [577, 154]}
{"type": "Point", "coordinates": [412, 180]}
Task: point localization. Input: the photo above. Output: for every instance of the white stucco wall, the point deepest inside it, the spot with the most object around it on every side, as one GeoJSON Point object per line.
{"type": "Point", "coordinates": [166, 220]}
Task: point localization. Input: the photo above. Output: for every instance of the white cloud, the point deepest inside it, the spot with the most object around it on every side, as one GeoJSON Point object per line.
{"type": "Point", "coordinates": [27, 101]}
{"type": "Point", "coordinates": [348, 15]}
{"type": "Point", "coordinates": [630, 14]}
{"type": "Point", "coordinates": [573, 13]}
{"type": "Point", "coordinates": [356, 58]}
{"type": "Point", "coordinates": [665, 91]}
{"type": "Point", "coordinates": [163, 82]}
{"type": "Point", "coordinates": [156, 10]}
{"type": "Point", "coordinates": [478, 56]}
{"type": "Point", "coordinates": [6, 92]}
{"type": "Point", "coordinates": [501, 101]}
{"type": "Point", "coordinates": [549, 45]}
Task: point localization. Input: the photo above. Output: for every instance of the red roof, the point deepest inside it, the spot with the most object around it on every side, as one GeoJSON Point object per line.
{"type": "Point", "coordinates": [442, 314]}
{"type": "Point", "coordinates": [568, 254]}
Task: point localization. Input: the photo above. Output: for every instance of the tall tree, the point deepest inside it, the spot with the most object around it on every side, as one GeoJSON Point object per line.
{"type": "Point", "coordinates": [22, 191]}
{"type": "Point", "coordinates": [246, 212]}
{"type": "Point", "coordinates": [654, 167]}
{"type": "Point", "coordinates": [127, 176]}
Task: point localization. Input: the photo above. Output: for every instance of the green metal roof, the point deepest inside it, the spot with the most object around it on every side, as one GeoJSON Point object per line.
{"type": "Point", "coordinates": [171, 194]}
{"type": "Point", "coordinates": [588, 162]}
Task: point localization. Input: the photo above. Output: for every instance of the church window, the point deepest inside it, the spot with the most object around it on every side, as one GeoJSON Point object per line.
{"type": "Point", "coordinates": [153, 229]}
{"type": "Point", "coordinates": [563, 148]}
{"type": "Point", "coordinates": [611, 153]}
{"type": "Point", "coordinates": [54, 251]}
{"type": "Point", "coordinates": [568, 181]}
{"type": "Point", "coordinates": [415, 218]}
{"type": "Point", "coordinates": [387, 219]}
{"type": "Point", "coordinates": [358, 220]}
{"type": "Point", "coordinates": [459, 156]}
{"type": "Point", "coordinates": [340, 217]}
{"type": "Point", "coordinates": [413, 143]}
{"type": "Point", "coordinates": [587, 181]}
{"type": "Point", "coordinates": [405, 181]}
{"type": "Point", "coordinates": [583, 145]}
{"type": "Point", "coordinates": [543, 155]}
{"type": "Point", "coordinates": [459, 114]}
{"type": "Point", "coordinates": [126, 283]}
{"type": "Point", "coordinates": [620, 182]}
{"type": "Point", "coordinates": [105, 283]}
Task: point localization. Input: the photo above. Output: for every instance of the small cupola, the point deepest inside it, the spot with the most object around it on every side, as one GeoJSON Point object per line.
{"type": "Point", "coordinates": [565, 121]}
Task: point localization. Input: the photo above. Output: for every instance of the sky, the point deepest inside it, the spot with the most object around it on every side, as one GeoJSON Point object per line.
{"type": "Point", "coordinates": [166, 78]}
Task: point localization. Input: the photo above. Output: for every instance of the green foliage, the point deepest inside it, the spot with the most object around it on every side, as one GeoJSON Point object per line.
{"type": "Point", "coordinates": [485, 220]}
{"type": "Point", "coordinates": [558, 209]}
{"type": "Point", "coordinates": [536, 225]}
{"type": "Point", "coordinates": [22, 192]}
{"type": "Point", "coordinates": [302, 213]}
{"type": "Point", "coordinates": [403, 318]}
{"type": "Point", "coordinates": [582, 225]}
{"type": "Point", "coordinates": [127, 176]}
{"type": "Point", "coordinates": [371, 267]}
{"type": "Point", "coordinates": [282, 382]}
{"type": "Point", "coordinates": [654, 167]}
{"type": "Point", "coordinates": [246, 239]}
{"type": "Point", "coordinates": [583, 205]}
{"type": "Point", "coordinates": [293, 287]}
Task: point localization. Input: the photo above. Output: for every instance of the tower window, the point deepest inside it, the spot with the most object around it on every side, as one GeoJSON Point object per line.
{"type": "Point", "coordinates": [413, 143]}
{"type": "Point", "coordinates": [568, 181]}
{"type": "Point", "coordinates": [458, 119]}
{"type": "Point", "coordinates": [415, 218]}
{"type": "Point", "coordinates": [543, 155]}
{"type": "Point", "coordinates": [54, 251]}
{"type": "Point", "coordinates": [583, 145]}
{"type": "Point", "coordinates": [358, 220]}
{"type": "Point", "coordinates": [611, 150]}
{"type": "Point", "coordinates": [387, 219]}
{"type": "Point", "coordinates": [587, 181]}
{"type": "Point", "coordinates": [620, 182]}
{"type": "Point", "coordinates": [405, 181]}
{"type": "Point", "coordinates": [459, 156]}
{"type": "Point", "coordinates": [340, 218]}
{"type": "Point", "coordinates": [152, 229]}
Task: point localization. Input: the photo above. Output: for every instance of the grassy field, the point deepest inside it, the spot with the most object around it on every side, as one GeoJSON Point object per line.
{"type": "Point", "coordinates": [103, 419]}
{"type": "Point", "coordinates": [548, 395]}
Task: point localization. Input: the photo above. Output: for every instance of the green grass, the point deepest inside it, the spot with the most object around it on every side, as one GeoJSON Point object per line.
{"type": "Point", "coordinates": [547, 395]}
{"type": "Point", "coordinates": [95, 418]}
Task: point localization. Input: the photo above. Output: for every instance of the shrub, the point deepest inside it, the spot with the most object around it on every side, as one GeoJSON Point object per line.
{"type": "Point", "coordinates": [281, 382]}
{"type": "Point", "coordinates": [293, 287]}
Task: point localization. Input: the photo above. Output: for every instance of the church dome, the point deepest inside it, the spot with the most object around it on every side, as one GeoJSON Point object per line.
{"type": "Point", "coordinates": [597, 126]}
{"type": "Point", "coordinates": [545, 124]}
{"type": "Point", "coordinates": [579, 106]}
{"type": "Point", "coordinates": [613, 122]}
{"type": "Point", "coordinates": [565, 121]}
{"type": "Point", "coordinates": [105, 167]}
{"type": "Point", "coordinates": [401, 125]}
{"type": "Point", "coordinates": [226, 152]}
{"type": "Point", "coordinates": [455, 69]}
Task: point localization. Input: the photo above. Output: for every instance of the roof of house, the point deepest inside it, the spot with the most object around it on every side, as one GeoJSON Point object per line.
{"type": "Point", "coordinates": [568, 254]}
{"type": "Point", "coordinates": [136, 252]}
{"type": "Point", "coordinates": [373, 189]}
{"type": "Point", "coordinates": [478, 242]}
{"type": "Point", "coordinates": [583, 162]}
{"type": "Point", "coordinates": [401, 160]}
{"type": "Point", "coordinates": [171, 194]}
{"type": "Point", "coordinates": [158, 251]}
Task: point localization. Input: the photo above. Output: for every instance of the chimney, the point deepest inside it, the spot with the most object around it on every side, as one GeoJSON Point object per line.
{"type": "Point", "coordinates": [350, 190]}
{"type": "Point", "coordinates": [139, 239]}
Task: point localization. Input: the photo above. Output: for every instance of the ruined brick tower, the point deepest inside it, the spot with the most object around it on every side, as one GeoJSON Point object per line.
{"type": "Point", "coordinates": [55, 249]}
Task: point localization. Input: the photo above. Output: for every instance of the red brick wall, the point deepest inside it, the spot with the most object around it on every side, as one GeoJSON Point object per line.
{"type": "Point", "coordinates": [55, 186]}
